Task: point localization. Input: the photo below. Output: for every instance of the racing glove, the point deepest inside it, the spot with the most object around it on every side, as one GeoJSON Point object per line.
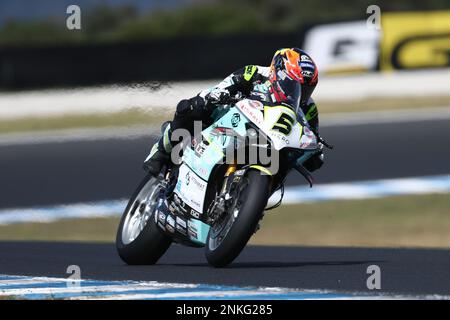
{"type": "Point", "coordinates": [218, 96]}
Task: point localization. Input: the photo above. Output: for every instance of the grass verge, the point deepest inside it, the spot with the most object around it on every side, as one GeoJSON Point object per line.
{"type": "Point", "coordinates": [10, 298]}
{"type": "Point", "coordinates": [404, 221]}
{"type": "Point", "coordinates": [115, 119]}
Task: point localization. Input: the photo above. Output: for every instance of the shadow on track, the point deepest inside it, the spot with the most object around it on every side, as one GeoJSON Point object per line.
{"type": "Point", "coordinates": [276, 264]}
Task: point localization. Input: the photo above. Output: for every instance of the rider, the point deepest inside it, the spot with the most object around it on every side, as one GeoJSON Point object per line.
{"type": "Point", "coordinates": [293, 62]}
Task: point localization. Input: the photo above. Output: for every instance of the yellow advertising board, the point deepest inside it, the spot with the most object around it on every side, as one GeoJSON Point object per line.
{"type": "Point", "coordinates": [415, 40]}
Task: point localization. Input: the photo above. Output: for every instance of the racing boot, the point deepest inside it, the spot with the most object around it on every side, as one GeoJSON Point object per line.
{"type": "Point", "coordinates": [160, 152]}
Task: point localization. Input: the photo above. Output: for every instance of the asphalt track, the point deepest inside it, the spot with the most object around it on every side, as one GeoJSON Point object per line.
{"type": "Point", "coordinates": [403, 271]}
{"type": "Point", "coordinates": [56, 173]}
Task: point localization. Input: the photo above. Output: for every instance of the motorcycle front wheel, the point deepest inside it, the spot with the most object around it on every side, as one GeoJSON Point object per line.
{"type": "Point", "coordinates": [139, 240]}
{"type": "Point", "coordinates": [228, 237]}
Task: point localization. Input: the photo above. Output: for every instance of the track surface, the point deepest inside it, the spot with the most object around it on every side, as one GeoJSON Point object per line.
{"type": "Point", "coordinates": [86, 171]}
{"type": "Point", "coordinates": [344, 269]}
{"type": "Point", "coordinates": [57, 173]}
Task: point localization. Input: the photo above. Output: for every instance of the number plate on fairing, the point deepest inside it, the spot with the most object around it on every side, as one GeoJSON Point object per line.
{"type": "Point", "coordinates": [191, 188]}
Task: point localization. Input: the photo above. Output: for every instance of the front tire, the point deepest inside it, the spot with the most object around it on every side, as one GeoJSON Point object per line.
{"type": "Point", "coordinates": [252, 201]}
{"type": "Point", "coordinates": [139, 240]}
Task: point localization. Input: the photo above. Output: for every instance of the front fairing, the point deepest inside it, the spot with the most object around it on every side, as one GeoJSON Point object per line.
{"type": "Point", "coordinates": [280, 124]}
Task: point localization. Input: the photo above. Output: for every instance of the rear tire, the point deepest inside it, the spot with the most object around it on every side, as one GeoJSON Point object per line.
{"type": "Point", "coordinates": [253, 201]}
{"type": "Point", "coordinates": [150, 244]}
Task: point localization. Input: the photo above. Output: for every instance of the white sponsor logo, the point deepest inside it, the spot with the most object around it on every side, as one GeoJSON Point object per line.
{"type": "Point", "coordinates": [343, 46]}
{"type": "Point", "coordinates": [181, 222]}
{"type": "Point", "coordinates": [305, 58]}
{"type": "Point", "coordinates": [250, 112]}
{"type": "Point", "coordinates": [191, 189]}
{"type": "Point", "coordinates": [170, 221]}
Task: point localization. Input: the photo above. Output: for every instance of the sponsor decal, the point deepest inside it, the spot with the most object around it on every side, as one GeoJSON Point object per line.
{"type": "Point", "coordinates": [203, 171]}
{"type": "Point", "coordinates": [161, 217]}
{"type": "Point", "coordinates": [305, 58]}
{"type": "Point", "coordinates": [407, 44]}
{"type": "Point", "coordinates": [257, 104]}
{"type": "Point", "coordinates": [343, 47]}
{"type": "Point", "coordinates": [199, 149]}
{"type": "Point", "coordinates": [181, 225]}
{"type": "Point", "coordinates": [192, 189]}
{"type": "Point", "coordinates": [279, 136]}
{"type": "Point", "coordinates": [195, 203]}
{"type": "Point", "coordinates": [181, 222]}
{"type": "Point", "coordinates": [192, 230]}
{"type": "Point", "coordinates": [306, 65]}
{"type": "Point", "coordinates": [187, 178]}
{"type": "Point", "coordinates": [195, 214]}
{"type": "Point", "coordinates": [172, 208]}
{"type": "Point", "coordinates": [170, 223]}
{"type": "Point", "coordinates": [235, 119]}
{"type": "Point", "coordinates": [307, 140]}
{"type": "Point", "coordinates": [181, 230]}
{"type": "Point", "coordinates": [199, 184]}
{"type": "Point", "coordinates": [250, 112]}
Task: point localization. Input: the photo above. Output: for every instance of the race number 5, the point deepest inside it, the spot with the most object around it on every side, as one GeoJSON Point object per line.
{"type": "Point", "coordinates": [284, 124]}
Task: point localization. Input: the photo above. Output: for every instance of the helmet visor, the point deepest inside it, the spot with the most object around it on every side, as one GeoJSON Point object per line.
{"type": "Point", "coordinates": [289, 91]}
{"type": "Point", "coordinates": [307, 91]}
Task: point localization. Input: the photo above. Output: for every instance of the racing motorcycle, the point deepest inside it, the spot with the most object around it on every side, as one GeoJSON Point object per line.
{"type": "Point", "coordinates": [204, 201]}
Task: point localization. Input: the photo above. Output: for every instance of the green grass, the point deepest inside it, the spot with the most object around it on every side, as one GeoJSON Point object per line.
{"type": "Point", "coordinates": [115, 119]}
{"type": "Point", "coordinates": [381, 103]}
{"type": "Point", "coordinates": [96, 230]}
{"type": "Point", "coordinates": [404, 221]}
{"type": "Point", "coordinates": [10, 298]}
{"type": "Point", "coordinates": [140, 117]}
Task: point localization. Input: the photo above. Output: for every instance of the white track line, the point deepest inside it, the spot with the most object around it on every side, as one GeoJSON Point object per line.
{"type": "Point", "coordinates": [57, 288]}
{"type": "Point", "coordinates": [367, 189]}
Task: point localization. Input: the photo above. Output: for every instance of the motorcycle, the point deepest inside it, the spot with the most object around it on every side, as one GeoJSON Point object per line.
{"type": "Point", "coordinates": [204, 201]}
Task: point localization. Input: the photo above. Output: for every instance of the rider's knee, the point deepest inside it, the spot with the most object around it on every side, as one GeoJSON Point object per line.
{"type": "Point", "coordinates": [183, 108]}
{"type": "Point", "coordinates": [192, 108]}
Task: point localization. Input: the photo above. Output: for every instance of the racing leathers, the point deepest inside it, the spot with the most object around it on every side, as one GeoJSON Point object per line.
{"type": "Point", "coordinates": [245, 81]}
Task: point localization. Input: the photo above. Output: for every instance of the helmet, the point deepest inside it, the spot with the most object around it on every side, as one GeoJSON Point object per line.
{"type": "Point", "coordinates": [293, 76]}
